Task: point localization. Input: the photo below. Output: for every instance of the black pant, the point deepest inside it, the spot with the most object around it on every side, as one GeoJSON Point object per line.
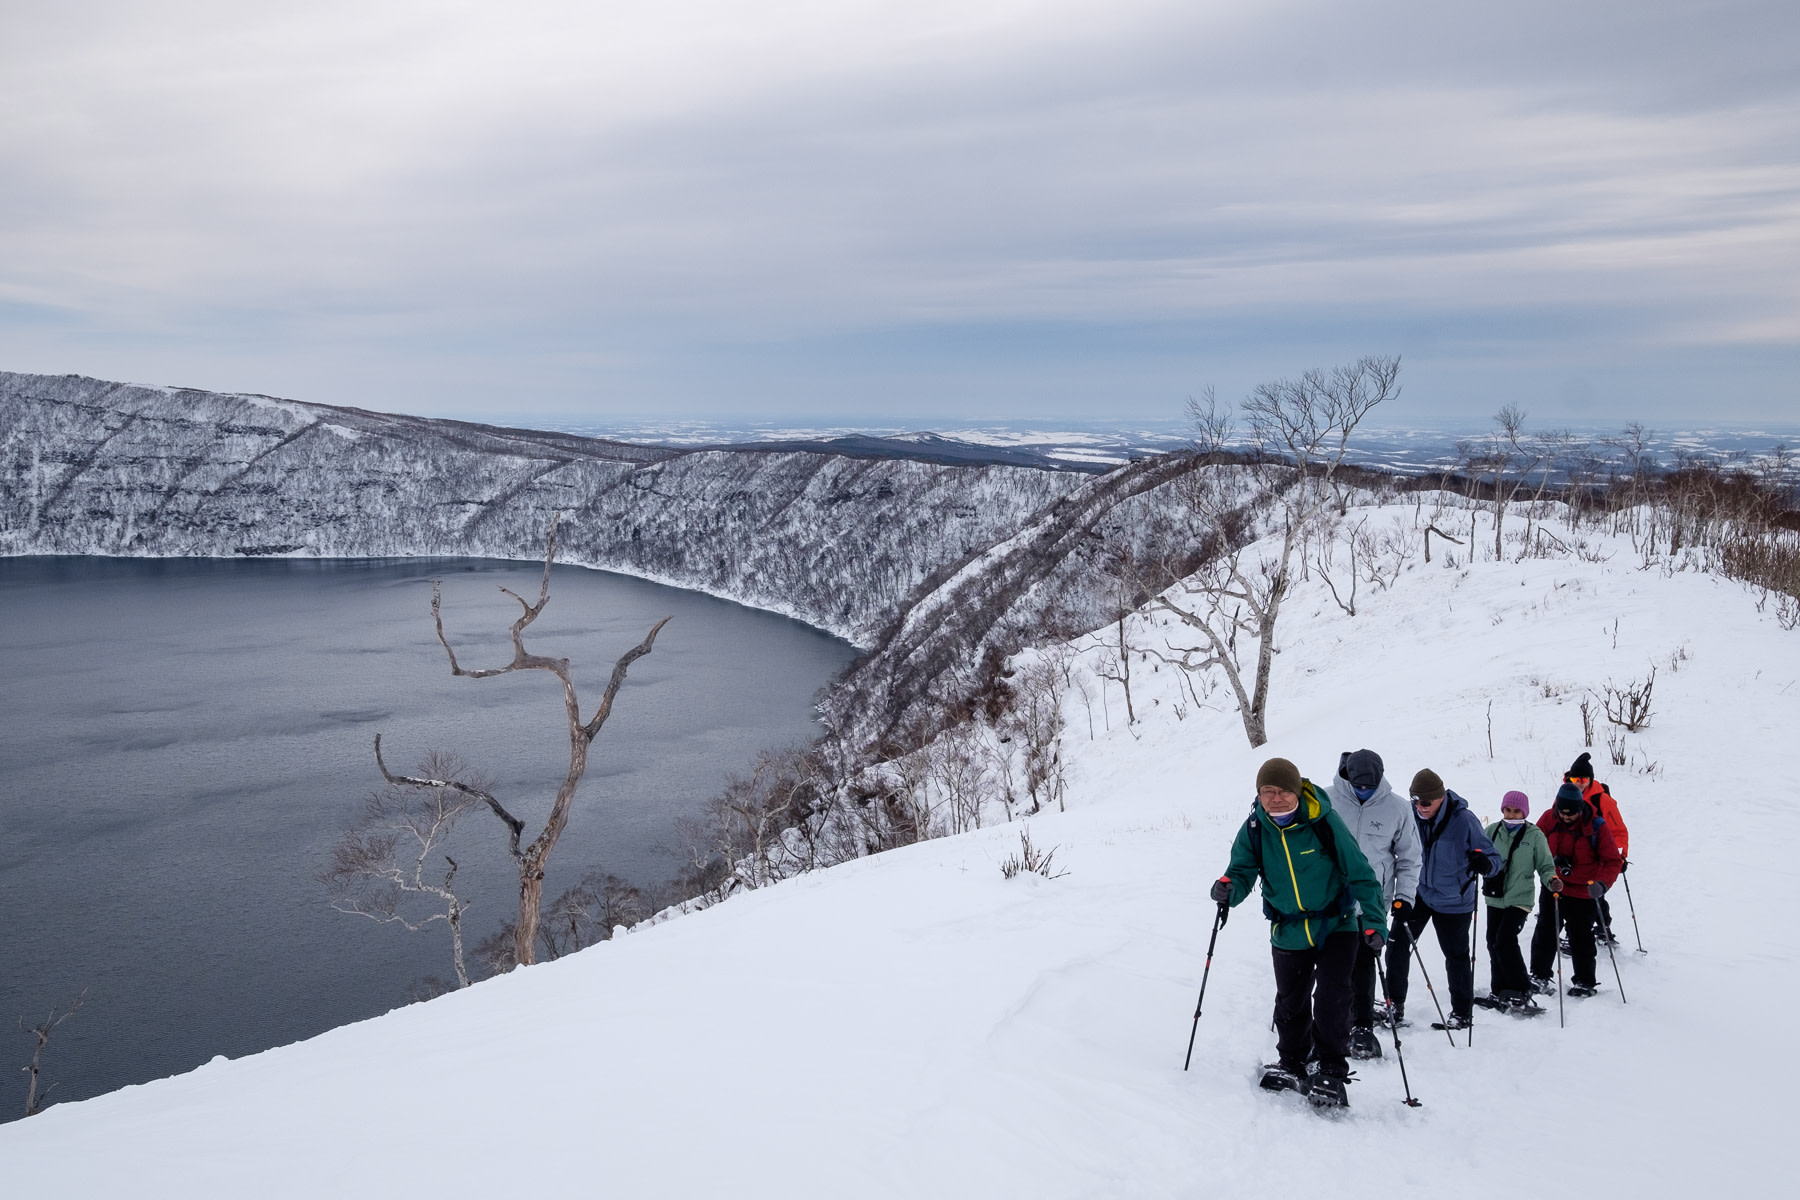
{"type": "Point", "coordinates": [1363, 979]}
{"type": "Point", "coordinates": [1506, 966]}
{"type": "Point", "coordinates": [1578, 915]}
{"type": "Point", "coordinates": [1312, 1004]}
{"type": "Point", "coordinates": [1453, 939]}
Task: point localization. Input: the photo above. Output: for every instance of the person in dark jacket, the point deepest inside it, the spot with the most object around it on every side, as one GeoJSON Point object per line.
{"type": "Point", "coordinates": [1587, 861]}
{"type": "Point", "coordinates": [1601, 800]}
{"type": "Point", "coordinates": [1322, 900]}
{"type": "Point", "coordinates": [1457, 852]}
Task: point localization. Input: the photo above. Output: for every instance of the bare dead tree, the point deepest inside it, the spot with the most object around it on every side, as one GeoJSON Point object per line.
{"type": "Point", "coordinates": [1117, 667]}
{"type": "Point", "coordinates": [378, 866]}
{"type": "Point", "coordinates": [531, 857]}
{"type": "Point", "coordinates": [42, 1031]}
{"type": "Point", "coordinates": [1299, 430]}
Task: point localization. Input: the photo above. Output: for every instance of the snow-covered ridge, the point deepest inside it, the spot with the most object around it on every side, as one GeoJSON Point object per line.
{"type": "Point", "coordinates": [91, 467]}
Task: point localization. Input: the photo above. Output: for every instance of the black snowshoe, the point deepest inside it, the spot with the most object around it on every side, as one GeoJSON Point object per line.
{"type": "Point", "coordinates": [1363, 1044]}
{"type": "Point", "coordinates": [1514, 1004]}
{"type": "Point", "coordinates": [1583, 989]}
{"type": "Point", "coordinates": [1392, 1017]}
{"type": "Point", "coordinates": [1453, 1022]}
{"type": "Point", "coordinates": [1277, 1078]}
{"type": "Point", "coordinates": [1327, 1091]}
{"type": "Point", "coordinates": [1543, 985]}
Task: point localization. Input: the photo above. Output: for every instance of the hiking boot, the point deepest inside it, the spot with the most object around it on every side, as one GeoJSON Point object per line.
{"type": "Point", "coordinates": [1453, 1022]}
{"type": "Point", "coordinates": [1543, 985]}
{"type": "Point", "coordinates": [1392, 1017]}
{"type": "Point", "coordinates": [1363, 1043]}
{"type": "Point", "coordinates": [1583, 989]}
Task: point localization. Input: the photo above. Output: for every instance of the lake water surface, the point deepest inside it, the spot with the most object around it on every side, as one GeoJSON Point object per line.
{"type": "Point", "coordinates": [182, 741]}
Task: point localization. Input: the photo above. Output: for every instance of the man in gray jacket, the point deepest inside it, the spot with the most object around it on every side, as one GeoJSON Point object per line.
{"type": "Point", "coordinates": [1382, 821]}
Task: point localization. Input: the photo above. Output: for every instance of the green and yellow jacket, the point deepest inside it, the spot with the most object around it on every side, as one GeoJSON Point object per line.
{"type": "Point", "coordinates": [1314, 884]}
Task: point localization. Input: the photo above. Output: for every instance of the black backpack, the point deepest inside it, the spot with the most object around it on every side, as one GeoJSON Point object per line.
{"type": "Point", "coordinates": [1494, 885]}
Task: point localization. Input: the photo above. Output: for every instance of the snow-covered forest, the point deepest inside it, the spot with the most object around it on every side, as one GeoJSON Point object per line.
{"type": "Point", "coordinates": [88, 467]}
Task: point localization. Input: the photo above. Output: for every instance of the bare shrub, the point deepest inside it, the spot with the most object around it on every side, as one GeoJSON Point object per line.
{"type": "Point", "coordinates": [1029, 858]}
{"type": "Point", "coordinates": [378, 867]}
{"type": "Point", "coordinates": [34, 1099]}
{"type": "Point", "coordinates": [1629, 706]}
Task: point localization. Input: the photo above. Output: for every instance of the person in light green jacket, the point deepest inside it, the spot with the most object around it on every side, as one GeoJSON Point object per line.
{"type": "Point", "coordinates": [1509, 894]}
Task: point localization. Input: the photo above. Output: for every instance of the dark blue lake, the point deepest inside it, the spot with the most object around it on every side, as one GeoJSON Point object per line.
{"type": "Point", "coordinates": [182, 742]}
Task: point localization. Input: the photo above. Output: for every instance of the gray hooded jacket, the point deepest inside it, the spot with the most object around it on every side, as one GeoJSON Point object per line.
{"type": "Point", "coordinates": [1388, 833]}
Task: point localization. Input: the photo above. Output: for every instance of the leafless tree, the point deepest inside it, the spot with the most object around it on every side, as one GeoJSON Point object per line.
{"type": "Point", "coordinates": [531, 857]}
{"type": "Point", "coordinates": [378, 868]}
{"type": "Point", "coordinates": [1299, 432]}
{"type": "Point", "coordinates": [42, 1031]}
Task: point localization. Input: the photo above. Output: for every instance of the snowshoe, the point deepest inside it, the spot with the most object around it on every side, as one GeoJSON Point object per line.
{"type": "Point", "coordinates": [1392, 1017]}
{"type": "Point", "coordinates": [1453, 1022]}
{"type": "Point", "coordinates": [1543, 985]}
{"type": "Point", "coordinates": [1525, 1006]}
{"type": "Point", "coordinates": [1583, 989]}
{"type": "Point", "coordinates": [1605, 939]}
{"type": "Point", "coordinates": [1327, 1091]}
{"type": "Point", "coordinates": [1277, 1078]}
{"type": "Point", "coordinates": [1494, 1000]}
{"type": "Point", "coordinates": [1363, 1044]}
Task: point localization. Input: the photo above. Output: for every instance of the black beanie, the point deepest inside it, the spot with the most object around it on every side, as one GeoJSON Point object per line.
{"type": "Point", "coordinates": [1427, 786]}
{"type": "Point", "coordinates": [1280, 772]}
{"type": "Point", "coordinates": [1363, 769]}
{"type": "Point", "coordinates": [1568, 799]}
{"type": "Point", "coordinates": [1581, 768]}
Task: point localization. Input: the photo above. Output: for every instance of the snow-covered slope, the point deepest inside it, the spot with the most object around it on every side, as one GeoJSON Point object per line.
{"type": "Point", "coordinates": [89, 467]}
{"type": "Point", "coordinates": [915, 1025]}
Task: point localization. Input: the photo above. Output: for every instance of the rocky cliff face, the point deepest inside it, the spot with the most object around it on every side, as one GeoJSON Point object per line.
{"type": "Point", "coordinates": [89, 467]}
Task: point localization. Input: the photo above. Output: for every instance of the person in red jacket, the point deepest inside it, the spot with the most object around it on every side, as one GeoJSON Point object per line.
{"type": "Point", "coordinates": [1581, 774]}
{"type": "Point", "coordinates": [1587, 863]}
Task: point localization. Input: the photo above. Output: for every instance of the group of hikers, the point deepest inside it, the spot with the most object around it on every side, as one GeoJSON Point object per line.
{"type": "Point", "coordinates": [1335, 864]}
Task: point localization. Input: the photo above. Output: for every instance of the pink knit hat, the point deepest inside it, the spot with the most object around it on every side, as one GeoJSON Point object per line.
{"type": "Point", "coordinates": [1518, 800]}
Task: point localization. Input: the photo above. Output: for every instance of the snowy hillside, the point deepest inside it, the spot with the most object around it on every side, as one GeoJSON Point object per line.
{"type": "Point", "coordinates": [89, 467]}
{"type": "Point", "coordinates": [912, 1024]}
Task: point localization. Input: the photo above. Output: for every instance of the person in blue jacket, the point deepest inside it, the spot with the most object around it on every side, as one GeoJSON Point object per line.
{"type": "Point", "coordinates": [1457, 853]}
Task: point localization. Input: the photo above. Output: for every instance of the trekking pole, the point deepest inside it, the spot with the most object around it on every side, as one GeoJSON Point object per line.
{"type": "Point", "coordinates": [1394, 1028]}
{"type": "Point", "coordinates": [1426, 976]}
{"type": "Point", "coordinates": [1556, 903]}
{"type": "Point", "coordinates": [1635, 932]}
{"type": "Point", "coordinates": [1606, 925]}
{"type": "Point", "coordinates": [1218, 921]}
{"type": "Point", "coordinates": [1474, 932]}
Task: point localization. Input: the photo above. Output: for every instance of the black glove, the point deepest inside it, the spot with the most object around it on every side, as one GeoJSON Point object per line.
{"type": "Point", "coordinates": [1221, 890]}
{"type": "Point", "coordinates": [1596, 890]}
{"type": "Point", "coordinates": [1625, 866]}
{"type": "Point", "coordinates": [1402, 910]}
{"type": "Point", "coordinates": [1375, 938]}
{"type": "Point", "coordinates": [1478, 862]}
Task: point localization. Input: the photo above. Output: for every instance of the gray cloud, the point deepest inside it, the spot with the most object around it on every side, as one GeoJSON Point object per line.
{"type": "Point", "coordinates": [1005, 207]}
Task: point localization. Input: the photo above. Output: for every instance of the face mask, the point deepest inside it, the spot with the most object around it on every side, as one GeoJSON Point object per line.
{"type": "Point", "coordinates": [1363, 793]}
{"type": "Point", "coordinates": [1285, 819]}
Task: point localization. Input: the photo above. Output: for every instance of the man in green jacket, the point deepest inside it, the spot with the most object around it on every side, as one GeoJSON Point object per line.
{"type": "Point", "coordinates": [1320, 896]}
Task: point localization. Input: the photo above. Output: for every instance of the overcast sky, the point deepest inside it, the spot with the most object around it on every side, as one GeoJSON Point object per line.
{"type": "Point", "coordinates": [857, 209]}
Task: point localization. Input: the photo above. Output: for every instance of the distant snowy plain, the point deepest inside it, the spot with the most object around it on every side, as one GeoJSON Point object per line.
{"type": "Point", "coordinates": [913, 1024]}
